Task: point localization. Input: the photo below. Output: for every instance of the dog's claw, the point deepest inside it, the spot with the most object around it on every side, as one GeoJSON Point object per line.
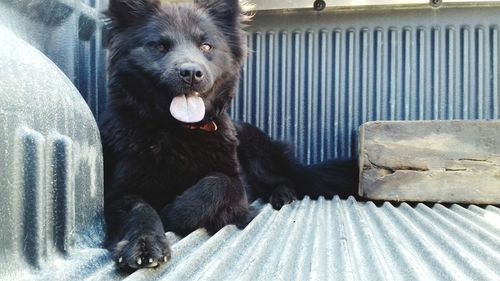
{"type": "Point", "coordinates": [165, 258]}
{"type": "Point", "coordinates": [150, 260]}
{"type": "Point", "coordinates": [120, 259]}
{"type": "Point", "coordinates": [139, 261]}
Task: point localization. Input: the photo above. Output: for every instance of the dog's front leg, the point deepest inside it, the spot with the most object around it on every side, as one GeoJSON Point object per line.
{"type": "Point", "coordinates": [135, 234]}
{"type": "Point", "coordinates": [213, 202]}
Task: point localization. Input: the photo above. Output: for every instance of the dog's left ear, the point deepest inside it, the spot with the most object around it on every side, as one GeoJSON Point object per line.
{"type": "Point", "coordinates": [124, 13]}
{"type": "Point", "coordinates": [223, 11]}
{"type": "Point", "coordinates": [228, 15]}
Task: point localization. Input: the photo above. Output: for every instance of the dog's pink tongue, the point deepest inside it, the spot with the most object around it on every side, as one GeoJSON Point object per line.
{"type": "Point", "coordinates": [189, 109]}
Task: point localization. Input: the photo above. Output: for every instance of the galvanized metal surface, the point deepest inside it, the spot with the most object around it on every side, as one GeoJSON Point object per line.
{"type": "Point", "coordinates": [319, 240]}
{"type": "Point", "coordinates": [312, 79]}
{"type": "Point", "coordinates": [325, 240]}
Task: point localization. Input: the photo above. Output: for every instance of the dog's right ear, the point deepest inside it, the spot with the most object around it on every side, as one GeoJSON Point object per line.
{"type": "Point", "coordinates": [127, 12]}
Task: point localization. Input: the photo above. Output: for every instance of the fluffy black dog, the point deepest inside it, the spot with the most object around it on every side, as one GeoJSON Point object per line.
{"type": "Point", "coordinates": [174, 160]}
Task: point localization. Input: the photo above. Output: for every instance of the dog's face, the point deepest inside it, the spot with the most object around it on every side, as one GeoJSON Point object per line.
{"type": "Point", "coordinates": [179, 59]}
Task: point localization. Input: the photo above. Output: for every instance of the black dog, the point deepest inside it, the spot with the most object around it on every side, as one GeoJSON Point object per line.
{"type": "Point", "coordinates": [174, 160]}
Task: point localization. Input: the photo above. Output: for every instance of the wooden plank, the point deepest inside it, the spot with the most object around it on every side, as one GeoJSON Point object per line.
{"type": "Point", "coordinates": [437, 161]}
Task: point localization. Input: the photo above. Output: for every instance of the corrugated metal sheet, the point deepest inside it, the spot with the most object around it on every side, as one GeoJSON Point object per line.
{"type": "Point", "coordinates": [317, 240]}
{"type": "Point", "coordinates": [330, 240]}
{"type": "Point", "coordinates": [313, 78]}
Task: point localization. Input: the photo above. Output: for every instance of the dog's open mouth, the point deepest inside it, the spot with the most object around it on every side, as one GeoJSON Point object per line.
{"type": "Point", "coordinates": [188, 108]}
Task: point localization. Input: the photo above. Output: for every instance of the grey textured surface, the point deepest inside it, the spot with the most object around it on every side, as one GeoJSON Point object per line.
{"type": "Point", "coordinates": [325, 240]}
{"type": "Point", "coordinates": [313, 78]}
{"type": "Point", "coordinates": [50, 162]}
{"type": "Point", "coordinates": [437, 161]}
{"type": "Point", "coordinates": [69, 33]}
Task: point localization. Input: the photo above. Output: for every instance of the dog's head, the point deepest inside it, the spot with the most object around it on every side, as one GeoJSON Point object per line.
{"type": "Point", "coordinates": [182, 60]}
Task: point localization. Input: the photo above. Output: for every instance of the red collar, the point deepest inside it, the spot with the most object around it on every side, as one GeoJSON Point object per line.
{"type": "Point", "coordinates": [209, 126]}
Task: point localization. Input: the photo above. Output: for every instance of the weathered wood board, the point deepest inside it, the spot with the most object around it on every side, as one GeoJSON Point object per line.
{"type": "Point", "coordinates": [436, 161]}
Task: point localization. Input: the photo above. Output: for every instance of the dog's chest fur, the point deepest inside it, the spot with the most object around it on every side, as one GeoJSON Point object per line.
{"type": "Point", "coordinates": [170, 160]}
{"type": "Point", "coordinates": [195, 152]}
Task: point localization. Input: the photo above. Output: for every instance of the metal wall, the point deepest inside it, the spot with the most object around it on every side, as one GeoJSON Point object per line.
{"type": "Point", "coordinates": [312, 78]}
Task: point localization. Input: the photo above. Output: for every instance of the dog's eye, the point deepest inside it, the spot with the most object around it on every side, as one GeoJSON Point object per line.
{"type": "Point", "coordinates": [161, 47]}
{"type": "Point", "coordinates": [206, 47]}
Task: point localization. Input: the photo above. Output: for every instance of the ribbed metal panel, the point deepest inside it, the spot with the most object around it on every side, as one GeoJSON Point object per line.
{"type": "Point", "coordinates": [313, 78]}
{"type": "Point", "coordinates": [336, 240]}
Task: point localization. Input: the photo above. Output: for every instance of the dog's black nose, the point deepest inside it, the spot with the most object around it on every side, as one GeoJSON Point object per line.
{"type": "Point", "coordinates": [191, 73]}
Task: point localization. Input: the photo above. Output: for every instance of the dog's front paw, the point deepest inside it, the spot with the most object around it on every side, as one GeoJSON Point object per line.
{"type": "Point", "coordinates": [281, 196]}
{"type": "Point", "coordinates": [142, 250]}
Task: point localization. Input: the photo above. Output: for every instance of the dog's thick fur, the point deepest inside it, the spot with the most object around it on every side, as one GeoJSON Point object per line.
{"type": "Point", "coordinates": [164, 175]}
